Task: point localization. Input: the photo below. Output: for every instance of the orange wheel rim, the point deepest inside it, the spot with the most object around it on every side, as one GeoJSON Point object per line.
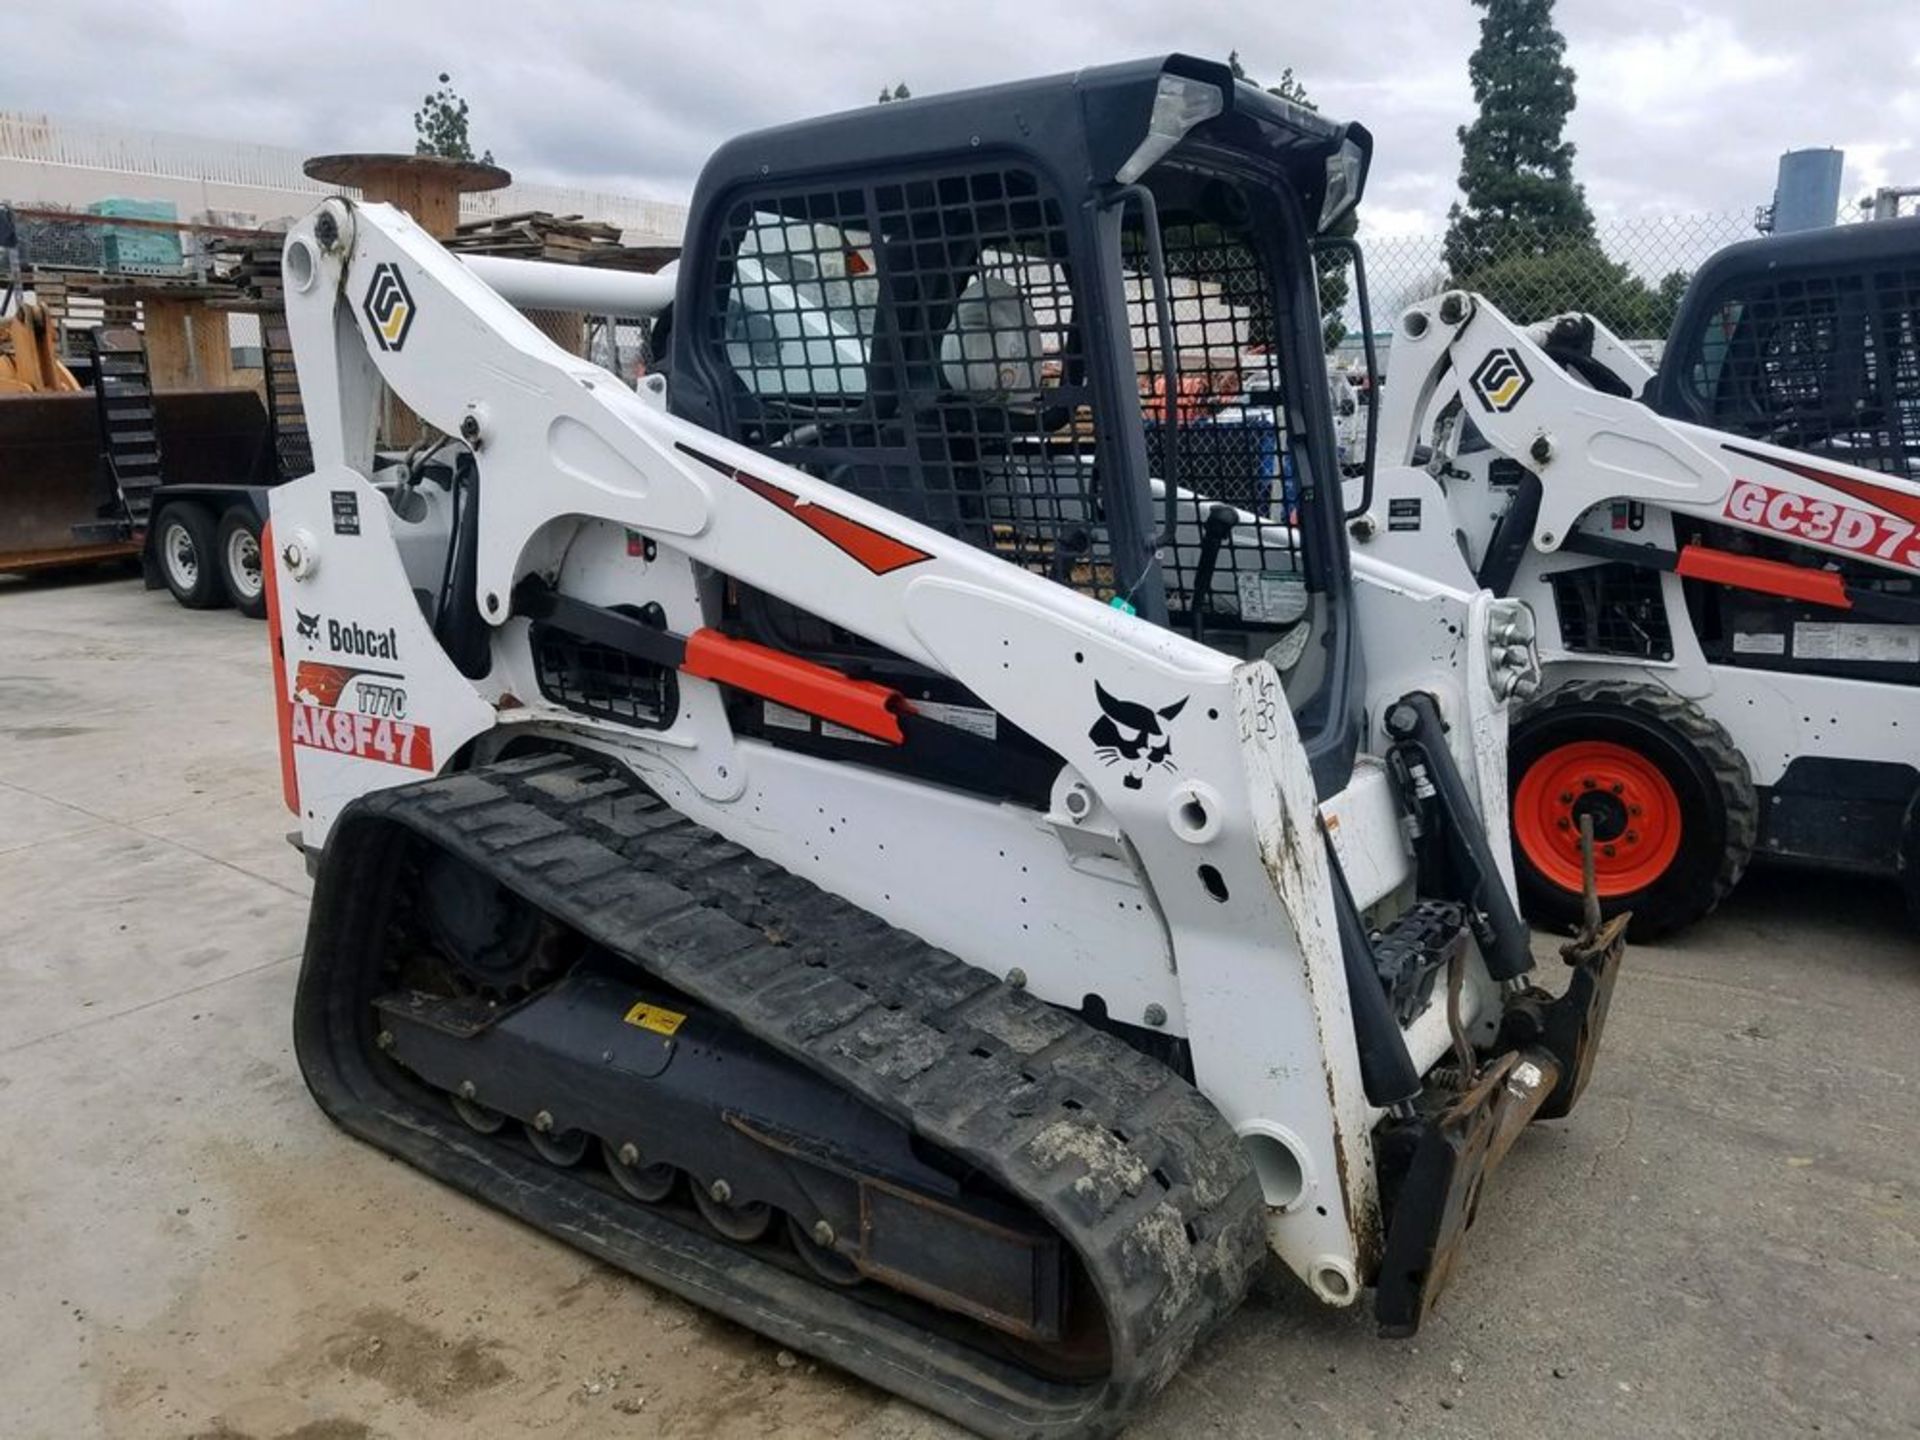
{"type": "Point", "coordinates": [1636, 816]}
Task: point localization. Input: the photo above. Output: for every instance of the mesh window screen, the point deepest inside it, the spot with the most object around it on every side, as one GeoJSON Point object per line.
{"type": "Point", "coordinates": [920, 341]}
{"type": "Point", "coordinates": [914, 341]}
{"type": "Point", "coordinates": [1230, 412]}
{"type": "Point", "coordinates": [1828, 363]}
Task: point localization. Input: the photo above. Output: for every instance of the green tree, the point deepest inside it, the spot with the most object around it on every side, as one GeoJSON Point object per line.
{"type": "Point", "coordinates": [440, 125]}
{"type": "Point", "coordinates": [1522, 235]}
{"type": "Point", "coordinates": [899, 92]}
{"type": "Point", "coordinates": [1334, 285]}
{"type": "Point", "coordinates": [1516, 167]}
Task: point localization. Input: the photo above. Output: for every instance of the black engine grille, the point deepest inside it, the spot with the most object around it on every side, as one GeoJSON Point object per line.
{"type": "Point", "coordinates": [604, 683]}
{"type": "Point", "coordinates": [1613, 610]}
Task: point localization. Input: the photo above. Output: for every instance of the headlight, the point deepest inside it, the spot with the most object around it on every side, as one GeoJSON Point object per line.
{"type": "Point", "coordinates": [1179, 104]}
{"type": "Point", "coordinates": [1513, 659]}
{"type": "Point", "coordinates": [1344, 169]}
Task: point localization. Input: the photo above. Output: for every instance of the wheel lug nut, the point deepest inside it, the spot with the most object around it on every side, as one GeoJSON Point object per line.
{"type": "Point", "coordinates": [467, 1090]}
{"type": "Point", "coordinates": [1618, 788]}
{"type": "Point", "coordinates": [1606, 849]}
{"type": "Point", "coordinates": [1564, 823]}
{"type": "Point", "coordinates": [822, 1233]}
{"type": "Point", "coordinates": [1633, 837]}
{"type": "Point", "coordinates": [1589, 783]}
{"type": "Point", "coordinates": [721, 1191]}
{"type": "Point", "coordinates": [543, 1122]}
{"type": "Point", "coordinates": [1633, 810]}
{"type": "Point", "coordinates": [1566, 797]}
{"type": "Point", "coordinates": [629, 1155]}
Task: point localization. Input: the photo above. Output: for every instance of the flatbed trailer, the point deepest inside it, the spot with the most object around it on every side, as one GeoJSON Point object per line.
{"type": "Point", "coordinates": [175, 478]}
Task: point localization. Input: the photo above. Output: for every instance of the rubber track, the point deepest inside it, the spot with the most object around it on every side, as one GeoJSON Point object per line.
{"type": "Point", "coordinates": [1127, 1160]}
{"type": "Point", "coordinates": [1710, 740]}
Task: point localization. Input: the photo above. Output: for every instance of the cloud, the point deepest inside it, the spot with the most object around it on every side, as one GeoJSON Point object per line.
{"type": "Point", "coordinates": [1682, 106]}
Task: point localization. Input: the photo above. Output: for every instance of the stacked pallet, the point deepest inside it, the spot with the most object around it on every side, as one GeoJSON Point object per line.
{"type": "Point", "coordinates": [566, 239]}
{"type": "Point", "coordinates": [252, 267]}
{"type": "Point", "coordinates": [561, 239]}
{"type": "Point", "coordinates": [536, 235]}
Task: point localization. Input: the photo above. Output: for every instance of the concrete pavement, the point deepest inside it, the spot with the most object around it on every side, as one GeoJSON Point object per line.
{"type": "Point", "coordinates": [1723, 1240]}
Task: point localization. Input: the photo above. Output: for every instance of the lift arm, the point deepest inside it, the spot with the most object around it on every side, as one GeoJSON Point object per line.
{"type": "Point", "coordinates": [1457, 356]}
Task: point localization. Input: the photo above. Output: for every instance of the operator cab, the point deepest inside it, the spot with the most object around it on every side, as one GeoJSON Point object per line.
{"type": "Point", "coordinates": [1073, 322]}
{"type": "Point", "coordinates": [1810, 340]}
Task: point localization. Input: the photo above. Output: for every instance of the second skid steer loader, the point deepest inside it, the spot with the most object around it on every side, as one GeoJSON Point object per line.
{"type": "Point", "coordinates": [835, 831]}
{"type": "Point", "coordinates": [1724, 558]}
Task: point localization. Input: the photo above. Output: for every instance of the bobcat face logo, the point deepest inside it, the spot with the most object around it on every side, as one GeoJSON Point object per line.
{"type": "Point", "coordinates": [309, 626]}
{"type": "Point", "coordinates": [1130, 734]}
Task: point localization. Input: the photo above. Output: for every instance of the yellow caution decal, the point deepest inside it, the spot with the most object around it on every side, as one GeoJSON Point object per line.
{"type": "Point", "coordinates": [654, 1018]}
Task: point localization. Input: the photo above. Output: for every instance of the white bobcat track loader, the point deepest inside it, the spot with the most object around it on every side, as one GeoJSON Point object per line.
{"type": "Point", "coordinates": [823, 832]}
{"type": "Point", "coordinates": [1723, 558]}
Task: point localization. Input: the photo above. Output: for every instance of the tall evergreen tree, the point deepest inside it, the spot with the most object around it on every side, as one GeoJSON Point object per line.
{"type": "Point", "coordinates": [1516, 169]}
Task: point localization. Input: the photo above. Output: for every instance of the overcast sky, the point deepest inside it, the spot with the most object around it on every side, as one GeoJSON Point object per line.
{"type": "Point", "coordinates": [1681, 106]}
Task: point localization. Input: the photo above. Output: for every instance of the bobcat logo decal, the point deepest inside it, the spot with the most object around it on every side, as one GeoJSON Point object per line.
{"type": "Point", "coordinates": [309, 628]}
{"type": "Point", "coordinates": [1130, 734]}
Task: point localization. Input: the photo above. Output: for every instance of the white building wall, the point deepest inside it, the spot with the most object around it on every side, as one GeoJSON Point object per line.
{"type": "Point", "coordinates": [68, 163]}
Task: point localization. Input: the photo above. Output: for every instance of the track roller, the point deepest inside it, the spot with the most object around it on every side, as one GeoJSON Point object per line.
{"type": "Point", "coordinates": [565, 1148]}
{"type": "Point", "coordinates": [477, 1116]}
{"type": "Point", "coordinates": [743, 1223]}
{"type": "Point", "coordinates": [814, 1244]}
{"type": "Point", "coordinates": [649, 1184]}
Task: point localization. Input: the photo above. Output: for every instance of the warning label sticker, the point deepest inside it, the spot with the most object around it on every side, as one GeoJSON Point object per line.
{"type": "Point", "coordinates": [1272, 597]}
{"type": "Point", "coordinates": [364, 737]}
{"type": "Point", "coordinates": [1759, 643]}
{"type": "Point", "coordinates": [1874, 644]}
{"type": "Point", "coordinates": [970, 718]}
{"type": "Point", "coordinates": [784, 717]}
{"type": "Point", "coordinates": [655, 1018]}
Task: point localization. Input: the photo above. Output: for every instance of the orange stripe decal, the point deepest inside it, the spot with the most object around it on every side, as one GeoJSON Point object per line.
{"type": "Point", "coordinates": [1768, 577]}
{"type": "Point", "coordinates": [882, 554]}
{"type": "Point", "coordinates": [277, 649]}
{"type": "Point", "coordinates": [878, 551]}
{"type": "Point", "coordinates": [774, 675]}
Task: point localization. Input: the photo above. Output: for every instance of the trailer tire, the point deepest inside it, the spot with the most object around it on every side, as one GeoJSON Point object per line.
{"type": "Point", "coordinates": [238, 548]}
{"type": "Point", "coordinates": [1672, 798]}
{"type": "Point", "coordinates": [186, 550]}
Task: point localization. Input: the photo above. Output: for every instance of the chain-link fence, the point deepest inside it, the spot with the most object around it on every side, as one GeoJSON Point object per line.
{"type": "Point", "coordinates": [1629, 274]}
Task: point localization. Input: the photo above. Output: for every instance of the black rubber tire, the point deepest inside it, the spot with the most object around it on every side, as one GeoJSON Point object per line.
{"type": "Point", "coordinates": [246, 590]}
{"type": "Point", "coordinates": [185, 550]}
{"type": "Point", "coordinates": [1720, 813]}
